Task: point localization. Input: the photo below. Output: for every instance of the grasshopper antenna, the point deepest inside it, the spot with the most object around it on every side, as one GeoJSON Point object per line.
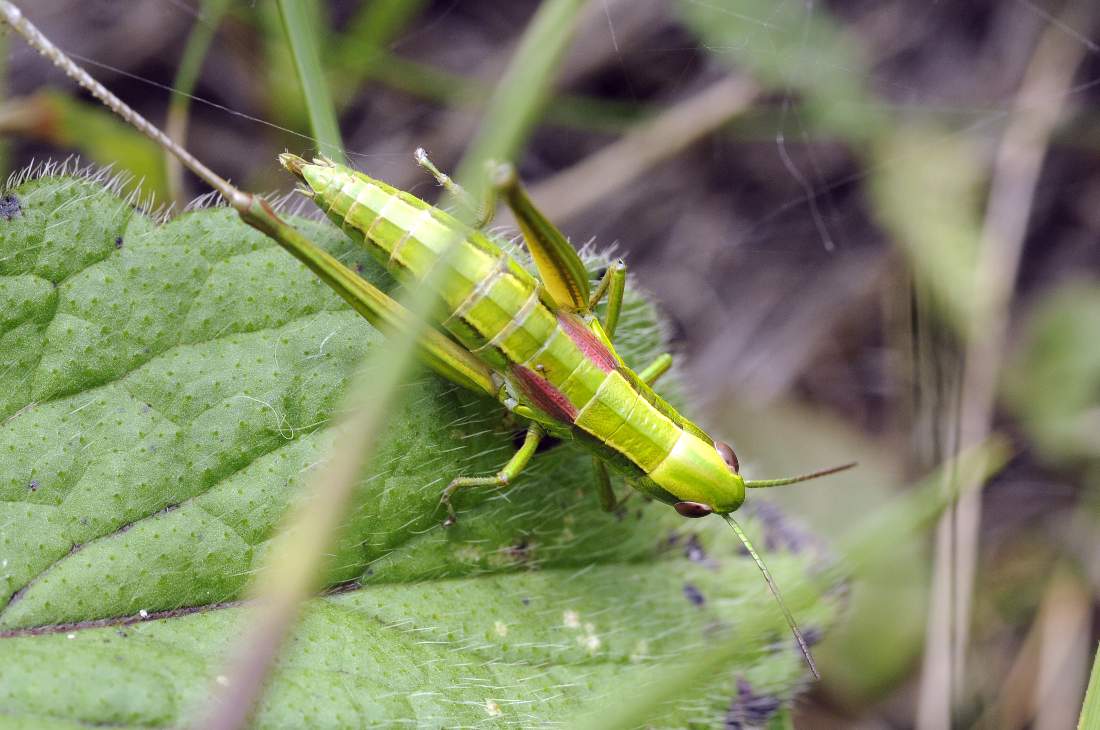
{"type": "Point", "coordinates": [11, 15]}
{"type": "Point", "coordinates": [760, 483]}
{"type": "Point", "coordinates": [775, 592]}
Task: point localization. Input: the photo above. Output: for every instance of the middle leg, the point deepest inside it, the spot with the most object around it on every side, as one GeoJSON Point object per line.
{"type": "Point", "coordinates": [502, 479]}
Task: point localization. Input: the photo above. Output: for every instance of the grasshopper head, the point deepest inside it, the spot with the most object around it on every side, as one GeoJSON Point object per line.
{"type": "Point", "coordinates": [700, 478]}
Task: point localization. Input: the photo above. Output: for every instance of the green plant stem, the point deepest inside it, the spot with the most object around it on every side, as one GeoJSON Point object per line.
{"type": "Point", "coordinates": [522, 91]}
{"type": "Point", "coordinates": [435, 84]}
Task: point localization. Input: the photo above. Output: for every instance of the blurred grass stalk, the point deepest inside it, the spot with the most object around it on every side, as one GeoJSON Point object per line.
{"type": "Point", "coordinates": [301, 23]}
{"type": "Point", "coordinates": [359, 54]}
{"type": "Point", "coordinates": [1014, 178]}
{"type": "Point", "coordinates": [187, 76]}
{"type": "Point", "coordinates": [1044, 686]}
{"type": "Point", "coordinates": [293, 569]}
{"type": "Point", "coordinates": [603, 173]}
{"type": "Point", "coordinates": [909, 514]}
{"type": "Point", "coordinates": [457, 90]}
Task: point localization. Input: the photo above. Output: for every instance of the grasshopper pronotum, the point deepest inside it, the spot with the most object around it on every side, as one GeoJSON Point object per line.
{"type": "Point", "coordinates": [534, 343]}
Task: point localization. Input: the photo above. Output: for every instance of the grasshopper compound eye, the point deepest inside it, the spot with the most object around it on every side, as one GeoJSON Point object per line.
{"type": "Point", "coordinates": [692, 509]}
{"type": "Point", "coordinates": [726, 452]}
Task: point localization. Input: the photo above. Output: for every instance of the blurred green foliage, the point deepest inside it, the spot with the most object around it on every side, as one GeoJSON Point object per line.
{"type": "Point", "coordinates": [1052, 383]}
{"type": "Point", "coordinates": [928, 191]}
{"type": "Point", "coordinates": [1090, 712]}
{"type": "Point", "coordinates": [56, 118]}
{"type": "Point", "coordinates": [785, 47]}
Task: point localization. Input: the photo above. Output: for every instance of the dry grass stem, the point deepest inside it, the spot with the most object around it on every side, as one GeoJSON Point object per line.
{"type": "Point", "coordinates": [575, 189]}
{"type": "Point", "coordinates": [1015, 175]}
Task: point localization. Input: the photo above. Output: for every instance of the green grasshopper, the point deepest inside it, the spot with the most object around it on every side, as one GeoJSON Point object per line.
{"type": "Point", "coordinates": [534, 343]}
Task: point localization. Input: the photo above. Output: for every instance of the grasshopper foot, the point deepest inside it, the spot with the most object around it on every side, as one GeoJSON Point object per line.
{"type": "Point", "coordinates": [445, 501]}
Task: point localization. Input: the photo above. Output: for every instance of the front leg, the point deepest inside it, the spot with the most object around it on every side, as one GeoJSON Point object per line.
{"type": "Point", "coordinates": [606, 493]}
{"type": "Point", "coordinates": [655, 369]}
{"type": "Point", "coordinates": [502, 479]}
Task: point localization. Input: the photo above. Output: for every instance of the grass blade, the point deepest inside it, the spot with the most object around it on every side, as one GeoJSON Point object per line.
{"type": "Point", "coordinates": [299, 23]}
{"type": "Point", "coordinates": [294, 565]}
{"type": "Point", "coordinates": [522, 91]}
{"type": "Point", "coordinates": [187, 75]}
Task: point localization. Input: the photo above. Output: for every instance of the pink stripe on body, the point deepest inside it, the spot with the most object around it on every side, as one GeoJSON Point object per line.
{"type": "Point", "coordinates": [588, 343]}
{"type": "Point", "coordinates": [545, 395]}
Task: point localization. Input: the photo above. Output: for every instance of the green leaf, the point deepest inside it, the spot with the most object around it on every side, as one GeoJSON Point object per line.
{"type": "Point", "coordinates": [167, 392]}
{"type": "Point", "coordinates": [793, 47]}
{"type": "Point", "coordinates": [1053, 379]}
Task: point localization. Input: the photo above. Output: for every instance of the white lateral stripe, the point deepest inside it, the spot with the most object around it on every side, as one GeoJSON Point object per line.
{"type": "Point", "coordinates": [549, 341]}
{"type": "Point", "coordinates": [426, 213]}
{"type": "Point", "coordinates": [381, 215]}
{"type": "Point", "coordinates": [675, 448]}
{"type": "Point", "coordinates": [361, 191]}
{"type": "Point", "coordinates": [517, 321]}
{"type": "Point", "coordinates": [482, 287]}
